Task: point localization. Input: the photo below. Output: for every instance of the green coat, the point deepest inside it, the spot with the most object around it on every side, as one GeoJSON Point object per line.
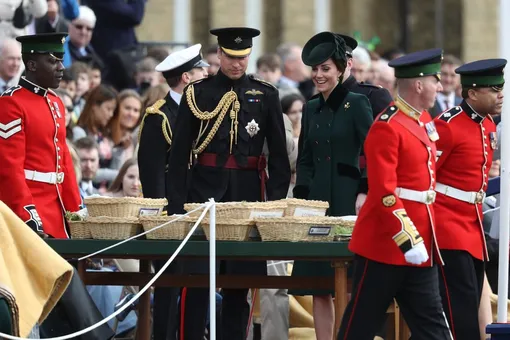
{"type": "Point", "coordinates": [332, 136]}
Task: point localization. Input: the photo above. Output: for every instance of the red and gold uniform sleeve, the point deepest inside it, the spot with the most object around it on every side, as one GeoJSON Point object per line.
{"type": "Point", "coordinates": [14, 191]}
{"type": "Point", "coordinates": [382, 149]}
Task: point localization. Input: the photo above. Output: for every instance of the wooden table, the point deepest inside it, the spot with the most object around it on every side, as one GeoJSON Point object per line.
{"type": "Point", "coordinates": [148, 250]}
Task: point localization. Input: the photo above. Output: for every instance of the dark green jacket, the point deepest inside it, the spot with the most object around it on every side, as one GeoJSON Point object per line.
{"type": "Point", "coordinates": [332, 136]}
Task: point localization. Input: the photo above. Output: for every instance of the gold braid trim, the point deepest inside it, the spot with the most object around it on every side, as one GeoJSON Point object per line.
{"type": "Point", "coordinates": [165, 125]}
{"type": "Point", "coordinates": [228, 99]}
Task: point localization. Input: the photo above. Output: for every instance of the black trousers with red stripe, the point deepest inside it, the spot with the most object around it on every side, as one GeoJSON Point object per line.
{"type": "Point", "coordinates": [461, 283]}
{"type": "Point", "coordinates": [376, 284]}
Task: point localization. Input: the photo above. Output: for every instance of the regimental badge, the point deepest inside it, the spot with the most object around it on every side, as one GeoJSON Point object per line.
{"type": "Point", "coordinates": [447, 114]}
{"type": "Point", "coordinates": [63, 40]}
{"type": "Point", "coordinates": [55, 105]}
{"type": "Point", "coordinates": [36, 90]}
{"type": "Point", "coordinates": [238, 40]}
{"type": "Point", "coordinates": [252, 128]}
{"type": "Point", "coordinates": [473, 116]}
{"type": "Point", "coordinates": [431, 131]}
{"type": "Point", "coordinates": [254, 92]}
{"type": "Point", "coordinates": [389, 200]}
{"type": "Point", "coordinates": [494, 140]}
{"type": "Point", "coordinates": [347, 105]}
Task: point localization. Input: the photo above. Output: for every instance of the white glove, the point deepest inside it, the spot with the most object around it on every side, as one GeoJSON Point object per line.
{"type": "Point", "coordinates": [360, 200]}
{"type": "Point", "coordinates": [417, 255]}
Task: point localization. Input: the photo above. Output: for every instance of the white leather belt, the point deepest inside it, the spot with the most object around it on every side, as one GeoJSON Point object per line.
{"type": "Point", "coordinates": [426, 197]}
{"type": "Point", "coordinates": [472, 197]}
{"type": "Point", "coordinates": [44, 177]}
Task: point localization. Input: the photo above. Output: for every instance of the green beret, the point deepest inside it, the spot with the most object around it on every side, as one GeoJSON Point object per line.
{"type": "Point", "coordinates": [323, 46]}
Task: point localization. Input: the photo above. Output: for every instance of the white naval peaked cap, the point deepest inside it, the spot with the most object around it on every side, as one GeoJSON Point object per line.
{"type": "Point", "coordinates": [182, 61]}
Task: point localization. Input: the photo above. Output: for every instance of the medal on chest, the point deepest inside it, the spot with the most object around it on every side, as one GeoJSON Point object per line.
{"type": "Point", "coordinates": [431, 131]}
{"type": "Point", "coordinates": [494, 140]}
{"type": "Point", "coordinates": [57, 109]}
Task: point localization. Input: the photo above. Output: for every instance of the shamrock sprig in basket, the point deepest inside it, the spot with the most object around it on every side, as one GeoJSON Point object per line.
{"type": "Point", "coordinates": [77, 226]}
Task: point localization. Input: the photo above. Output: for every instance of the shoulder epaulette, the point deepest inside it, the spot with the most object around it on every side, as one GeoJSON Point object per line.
{"type": "Point", "coordinates": [165, 124]}
{"type": "Point", "coordinates": [268, 84]}
{"type": "Point", "coordinates": [371, 85]}
{"type": "Point", "coordinates": [156, 107]}
{"type": "Point", "coordinates": [449, 114]}
{"type": "Point", "coordinates": [10, 91]}
{"type": "Point", "coordinates": [386, 115]}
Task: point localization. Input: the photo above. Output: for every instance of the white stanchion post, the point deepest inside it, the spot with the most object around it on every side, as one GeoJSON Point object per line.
{"type": "Point", "coordinates": [504, 43]}
{"type": "Point", "coordinates": [212, 270]}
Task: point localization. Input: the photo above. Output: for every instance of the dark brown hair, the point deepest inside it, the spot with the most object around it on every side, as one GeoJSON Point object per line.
{"type": "Point", "coordinates": [271, 60]}
{"type": "Point", "coordinates": [116, 185]}
{"type": "Point", "coordinates": [97, 96]}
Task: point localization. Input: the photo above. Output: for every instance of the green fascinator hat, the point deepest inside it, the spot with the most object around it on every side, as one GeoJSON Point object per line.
{"type": "Point", "coordinates": [323, 46]}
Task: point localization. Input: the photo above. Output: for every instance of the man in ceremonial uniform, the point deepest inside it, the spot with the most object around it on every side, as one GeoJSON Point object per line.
{"type": "Point", "coordinates": [37, 179]}
{"type": "Point", "coordinates": [221, 128]}
{"type": "Point", "coordinates": [393, 240]}
{"type": "Point", "coordinates": [179, 69]}
{"type": "Point", "coordinates": [464, 150]}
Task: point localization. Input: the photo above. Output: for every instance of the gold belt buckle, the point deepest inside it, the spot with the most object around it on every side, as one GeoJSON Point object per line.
{"type": "Point", "coordinates": [431, 197]}
{"type": "Point", "coordinates": [480, 195]}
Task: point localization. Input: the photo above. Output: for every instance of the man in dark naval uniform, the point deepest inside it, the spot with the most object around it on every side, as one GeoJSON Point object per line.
{"type": "Point", "coordinates": [220, 132]}
{"type": "Point", "coordinates": [179, 69]}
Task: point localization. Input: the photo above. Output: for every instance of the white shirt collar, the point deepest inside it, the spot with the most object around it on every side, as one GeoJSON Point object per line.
{"type": "Point", "coordinates": [175, 96]}
{"type": "Point", "coordinates": [442, 98]}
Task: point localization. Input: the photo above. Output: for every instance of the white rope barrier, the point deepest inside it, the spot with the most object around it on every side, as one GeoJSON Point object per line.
{"type": "Point", "coordinates": [141, 234]}
{"type": "Point", "coordinates": [212, 270]}
{"type": "Point", "coordinates": [137, 296]}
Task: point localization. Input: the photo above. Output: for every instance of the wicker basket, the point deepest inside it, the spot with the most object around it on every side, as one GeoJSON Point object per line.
{"type": "Point", "coordinates": [113, 228]}
{"type": "Point", "coordinates": [305, 208]}
{"type": "Point", "coordinates": [242, 210]}
{"type": "Point", "coordinates": [229, 229]}
{"type": "Point", "coordinates": [173, 231]}
{"type": "Point", "coordinates": [299, 229]}
{"type": "Point", "coordinates": [79, 230]}
{"type": "Point", "coordinates": [98, 206]}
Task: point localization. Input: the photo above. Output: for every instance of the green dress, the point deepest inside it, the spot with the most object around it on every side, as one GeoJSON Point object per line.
{"type": "Point", "coordinates": [332, 137]}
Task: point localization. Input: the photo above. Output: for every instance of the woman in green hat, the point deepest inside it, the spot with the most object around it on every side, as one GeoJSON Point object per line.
{"type": "Point", "coordinates": [334, 125]}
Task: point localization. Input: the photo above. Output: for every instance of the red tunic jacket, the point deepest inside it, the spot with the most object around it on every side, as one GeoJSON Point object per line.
{"type": "Point", "coordinates": [33, 138]}
{"type": "Point", "coordinates": [465, 148]}
{"type": "Point", "coordinates": [399, 154]}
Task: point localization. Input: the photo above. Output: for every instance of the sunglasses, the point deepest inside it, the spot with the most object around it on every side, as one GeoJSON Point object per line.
{"type": "Point", "coordinates": [80, 27]}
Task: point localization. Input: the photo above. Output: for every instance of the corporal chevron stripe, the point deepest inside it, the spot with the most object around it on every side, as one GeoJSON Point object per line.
{"type": "Point", "coordinates": [11, 128]}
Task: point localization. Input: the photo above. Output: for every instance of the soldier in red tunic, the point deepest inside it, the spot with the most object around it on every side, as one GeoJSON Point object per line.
{"type": "Point", "coordinates": [37, 179]}
{"type": "Point", "coordinates": [393, 239]}
{"type": "Point", "coordinates": [464, 150]}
